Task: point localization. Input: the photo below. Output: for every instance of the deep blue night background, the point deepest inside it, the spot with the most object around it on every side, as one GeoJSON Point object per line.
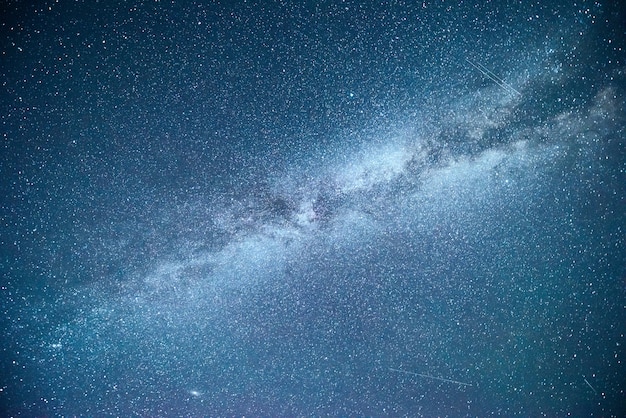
{"type": "Point", "coordinates": [324, 208]}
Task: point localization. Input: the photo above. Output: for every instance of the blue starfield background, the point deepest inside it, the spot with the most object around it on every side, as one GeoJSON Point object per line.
{"type": "Point", "coordinates": [312, 208]}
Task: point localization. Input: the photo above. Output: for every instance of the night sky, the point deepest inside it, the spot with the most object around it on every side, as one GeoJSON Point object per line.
{"type": "Point", "coordinates": [312, 208]}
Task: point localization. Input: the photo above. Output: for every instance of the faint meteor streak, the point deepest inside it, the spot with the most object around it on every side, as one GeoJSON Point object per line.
{"type": "Point", "coordinates": [589, 384]}
{"type": "Point", "coordinates": [427, 376]}
{"type": "Point", "coordinates": [490, 75]}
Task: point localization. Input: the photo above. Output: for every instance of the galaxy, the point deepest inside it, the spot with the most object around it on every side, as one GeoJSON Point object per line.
{"type": "Point", "coordinates": [336, 208]}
